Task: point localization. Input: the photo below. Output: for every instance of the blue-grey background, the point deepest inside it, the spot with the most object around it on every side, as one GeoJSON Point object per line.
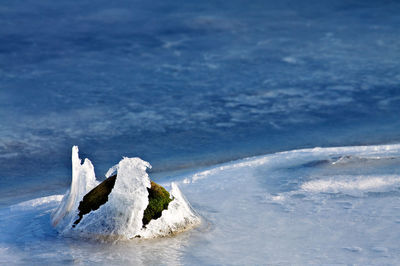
{"type": "Point", "coordinates": [189, 83]}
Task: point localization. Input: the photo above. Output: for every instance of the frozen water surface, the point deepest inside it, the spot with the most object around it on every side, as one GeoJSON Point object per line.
{"type": "Point", "coordinates": [189, 85]}
{"type": "Point", "coordinates": [186, 84]}
{"type": "Point", "coordinates": [313, 206]}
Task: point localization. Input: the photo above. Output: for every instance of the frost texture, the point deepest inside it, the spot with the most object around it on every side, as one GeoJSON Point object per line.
{"type": "Point", "coordinates": [121, 216]}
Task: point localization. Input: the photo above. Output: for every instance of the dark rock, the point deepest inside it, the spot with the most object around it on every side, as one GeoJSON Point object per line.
{"type": "Point", "coordinates": [159, 199]}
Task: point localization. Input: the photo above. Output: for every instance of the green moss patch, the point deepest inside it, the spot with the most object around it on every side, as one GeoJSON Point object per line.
{"type": "Point", "coordinates": [159, 199]}
{"type": "Point", "coordinates": [96, 197]}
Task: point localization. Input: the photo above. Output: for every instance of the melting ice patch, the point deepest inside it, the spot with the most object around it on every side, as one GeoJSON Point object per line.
{"type": "Point", "coordinates": [121, 216]}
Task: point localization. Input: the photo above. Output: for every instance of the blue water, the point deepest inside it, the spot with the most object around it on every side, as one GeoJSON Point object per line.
{"type": "Point", "coordinates": [185, 84]}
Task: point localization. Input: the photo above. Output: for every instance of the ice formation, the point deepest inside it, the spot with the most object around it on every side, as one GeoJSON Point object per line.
{"type": "Point", "coordinates": [83, 180]}
{"type": "Point", "coordinates": [313, 206]}
{"type": "Point", "coordinates": [121, 216]}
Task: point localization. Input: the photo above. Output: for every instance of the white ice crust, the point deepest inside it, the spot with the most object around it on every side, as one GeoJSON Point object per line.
{"type": "Point", "coordinates": [121, 216]}
{"type": "Point", "coordinates": [83, 180]}
{"type": "Point", "coordinates": [314, 206]}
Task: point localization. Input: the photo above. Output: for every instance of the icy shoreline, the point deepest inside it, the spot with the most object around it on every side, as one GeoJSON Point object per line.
{"type": "Point", "coordinates": [310, 206]}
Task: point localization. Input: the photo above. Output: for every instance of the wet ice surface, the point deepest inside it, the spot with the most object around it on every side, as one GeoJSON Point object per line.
{"type": "Point", "coordinates": [186, 84]}
{"type": "Point", "coordinates": [322, 206]}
